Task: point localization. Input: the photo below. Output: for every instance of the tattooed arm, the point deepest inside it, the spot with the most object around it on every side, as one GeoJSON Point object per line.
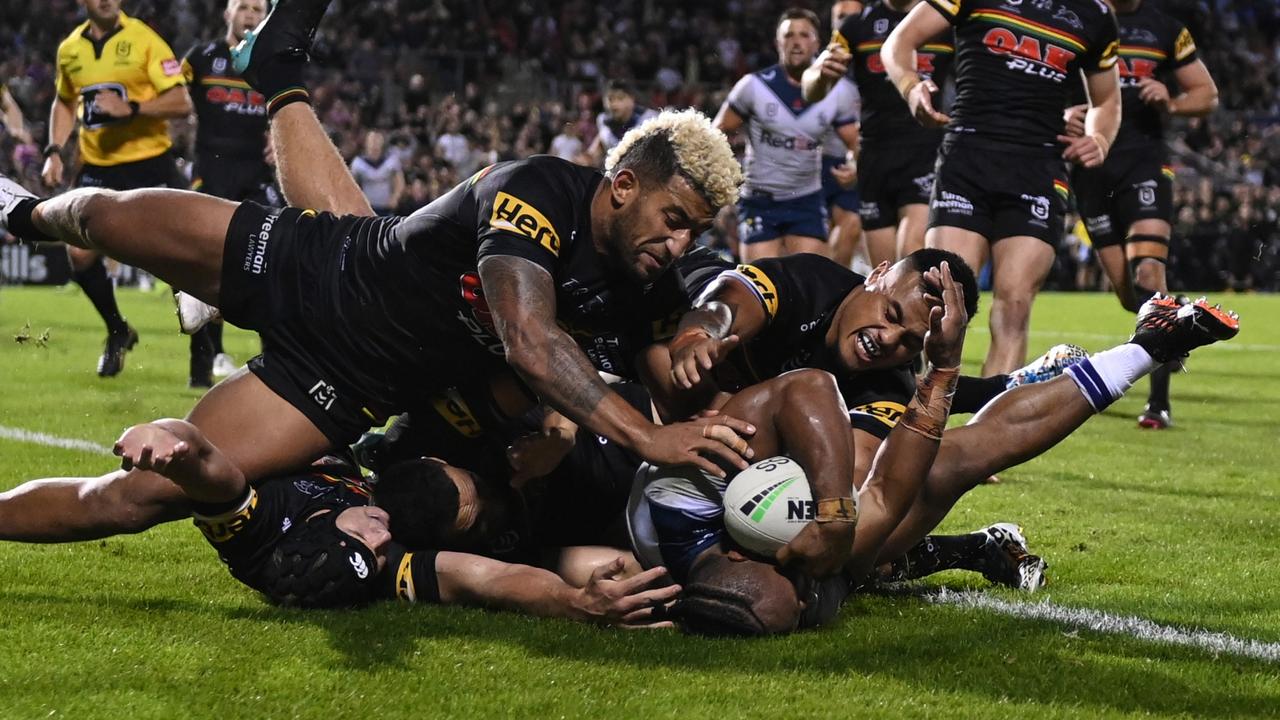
{"type": "Point", "coordinates": [521, 297]}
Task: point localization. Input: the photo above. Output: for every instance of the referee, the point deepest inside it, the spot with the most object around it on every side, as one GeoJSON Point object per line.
{"type": "Point", "coordinates": [231, 146]}
{"type": "Point", "coordinates": [121, 81]}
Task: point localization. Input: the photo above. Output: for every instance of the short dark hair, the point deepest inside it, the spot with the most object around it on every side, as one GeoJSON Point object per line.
{"type": "Point", "coordinates": [620, 85]}
{"type": "Point", "coordinates": [799, 13]}
{"type": "Point", "coordinates": [926, 259]}
{"type": "Point", "coordinates": [422, 502]}
{"type": "Point", "coordinates": [725, 597]}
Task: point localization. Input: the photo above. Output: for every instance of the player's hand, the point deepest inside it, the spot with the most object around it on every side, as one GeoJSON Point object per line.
{"type": "Point", "coordinates": [947, 323]}
{"type": "Point", "coordinates": [684, 443]}
{"type": "Point", "coordinates": [1073, 120]}
{"type": "Point", "coordinates": [111, 104]}
{"type": "Point", "coordinates": [639, 601]}
{"type": "Point", "coordinates": [920, 102]}
{"type": "Point", "coordinates": [695, 353]}
{"type": "Point", "coordinates": [819, 550]}
{"type": "Point", "coordinates": [535, 455]}
{"type": "Point", "coordinates": [52, 171]}
{"type": "Point", "coordinates": [846, 175]}
{"type": "Point", "coordinates": [1086, 150]}
{"type": "Point", "coordinates": [150, 447]}
{"type": "Point", "coordinates": [835, 62]}
{"type": "Point", "coordinates": [1154, 93]}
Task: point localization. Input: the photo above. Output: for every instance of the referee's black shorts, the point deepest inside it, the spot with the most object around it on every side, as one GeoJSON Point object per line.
{"type": "Point", "coordinates": [159, 171]}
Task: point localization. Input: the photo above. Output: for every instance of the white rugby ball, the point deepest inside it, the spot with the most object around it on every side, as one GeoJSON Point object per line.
{"type": "Point", "coordinates": [767, 505]}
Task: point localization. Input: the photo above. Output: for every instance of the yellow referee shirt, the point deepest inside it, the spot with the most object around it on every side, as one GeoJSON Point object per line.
{"type": "Point", "coordinates": [132, 61]}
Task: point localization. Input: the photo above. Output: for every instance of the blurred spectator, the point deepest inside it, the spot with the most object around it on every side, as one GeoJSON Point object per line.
{"type": "Point", "coordinates": [379, 174]}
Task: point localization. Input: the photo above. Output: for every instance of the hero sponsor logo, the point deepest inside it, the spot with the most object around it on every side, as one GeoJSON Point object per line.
{"type": "Point", "coordinates": [255, 258]}
{"type": "Point", "coordinates": [953, 203]}
{"type": "Point", "coordinates": [1029, 54]}
{"type": "Point", "coordinates": [517, 216]}
{"type": "Point", "coordinates": [884, 411]}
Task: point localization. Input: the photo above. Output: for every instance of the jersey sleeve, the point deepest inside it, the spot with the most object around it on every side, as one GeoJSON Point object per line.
{"type": "Point", "coordinates": [241, 529]}
{"type": "Point", "coordinates": [163, 68]}
{"type": "Point", "coordinates": [762, 280]}
{"type": "Point", "coordinates": [1183, 51]}
{"type": "Point", "coordinates": [1104, 51]}
{"type": "Point", "coordinates": [877, 400]}
{"type": "Point", "coordinates": [742, 95]}
{"type": "Point", "coordinates": [190, 74]}
{"type": "Point", "coordinates": [411, 576]}
{"type": "Point", "coordinates": [64, 86]}
{"type": "Point", "coordinates": [525, 212]}
{"type": "Point", "coordinates": [844, 35]}
{"type": "Point", "coordinates": [953, 10]}
{"type": "Point", "coordinates": [846, 104]}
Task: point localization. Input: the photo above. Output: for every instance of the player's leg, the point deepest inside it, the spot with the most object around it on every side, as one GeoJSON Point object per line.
{"type": "Point", "coordinates": [1146, 251]}
{"type": "Point", "coordinates": [1116, 267]}
{"type": "Point", "coordinates": [970, 245]}
{"type": "Point", "coordinates": [882, 245]}
{"type": "Point", "coordinates": [803, 222]}
{"type": "Point", "coordinates": [255, 429]}
{"type": "Point", "coordinates": [310, 170]}
{"type": "Point", "coordinates": [759, 234]}
{"type": "Point", "coordinates": [795, 244]}
{"type": "Point", "coordinates": [913, 222]}
{"type": "Point", "coordinates": [846, 231]}
{"type": "Point", "coordinates": [1019, 266]}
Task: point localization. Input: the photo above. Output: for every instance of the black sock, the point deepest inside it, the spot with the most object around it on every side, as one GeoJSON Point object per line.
{"type": "Point", "coordinates": [201, 354]}
{"type": "Point", "coordinates": [215, 336]}
{"type": "Point", "coordinates": [20, 224]}
{"type": "Point", "coordinates": [1159, 397]}
{"type": "Point", "coordinates": [282, 83]}
{"type": "Point", "coordinates": [941, 552]}
{"type": "Point", "coordinates": [972, 393]}
{"type": "Point", "coordinates": [102, 294]}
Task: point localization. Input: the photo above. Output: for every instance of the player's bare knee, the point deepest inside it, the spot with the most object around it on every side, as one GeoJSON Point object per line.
{"type": "Point", "coordinates": [809, 381]}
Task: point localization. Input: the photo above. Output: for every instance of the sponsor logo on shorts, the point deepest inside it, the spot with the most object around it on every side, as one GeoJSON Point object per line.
{"type": "Point", "coordinates": [869, 210]}
{"type": "Point", "coordinates": [1100, 224]}
{"type": "Point", "coordinates": [255, 258]}
{"type": "Point", "coordinates": [883, 411]}
{"type": "Point", "coordinates": [953, 203]}
{"type": "Point", "coordinates": [324, 394]}
{"type": "Point", "coordinates": [1039, 206]}
{"type": "Point", "coordinates": [515, 215]}
{"type": "Point", "coordinates": [924, 184]}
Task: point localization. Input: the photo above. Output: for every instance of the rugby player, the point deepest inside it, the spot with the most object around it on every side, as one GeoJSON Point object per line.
{"type": "Point", "coordinates": [230, 161]}
{"type": "Point", "coordinates": [620, 115]}
{"type": "Point", "coordinates": [676, 517]}
{"type": "Point", "coordinates": [1000, 188]}
{"type": "Point", "coordinates": [315, 539]}
{"type": "Point", "coordinates": [840, 175]}
{"type": "Point", "coordinates": [1127, 202]}
{"type": "Point", "coordinates": [895, 162]}
{"type": "Point", "coordinates": [121, 81]}
{"type": "Point", "coordinates": [389, 317]}
{"type": "Point", "coordinates": [781, 209]}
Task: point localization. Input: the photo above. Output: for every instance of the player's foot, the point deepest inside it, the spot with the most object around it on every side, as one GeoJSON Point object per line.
{"type": "Point", "coordinates": [118, 344]}
{"type": "Point", "coordinates": [11, 193]}
{"type": "Point", "coordinates": [203, 382]}
{"type": "Point", "coordinates": [1170, 328]}
{"type": "Point", "coordinates": [1154, 418]}
{"type": "Point", "coordinates": [1009, 562]}
{"type": "Point", "coordinates": [1048, 366]}
{"type": "Point", "coordinates": [368, 448]}
{"type": "Point", "coordinates": [285, 34]}
{"type": "Point", "coordinates": [193, 313]}
{"type": "Point", "coordinates": [223, 365]}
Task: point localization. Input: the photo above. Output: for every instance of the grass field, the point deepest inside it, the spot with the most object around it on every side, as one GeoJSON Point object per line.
{"type": "Point", "coordinates": [1180, 528]}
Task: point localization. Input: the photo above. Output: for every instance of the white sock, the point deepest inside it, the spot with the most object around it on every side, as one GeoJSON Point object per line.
{"type": "Point", "coordinates": [1106, 376]}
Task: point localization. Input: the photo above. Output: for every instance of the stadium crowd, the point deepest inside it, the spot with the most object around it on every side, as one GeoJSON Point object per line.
{"type": "Point", "coordinates": [522, 78]}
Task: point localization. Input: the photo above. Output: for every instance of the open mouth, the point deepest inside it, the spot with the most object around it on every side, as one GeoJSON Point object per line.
{"type": "Point", "coordinates": [870, 348]}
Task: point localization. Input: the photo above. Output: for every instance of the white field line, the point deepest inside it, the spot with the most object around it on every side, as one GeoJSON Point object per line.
{"type": "Point", "coordinates": [1099, 621]}
{"type": "Point", "coordinates": [39, 438]}
{"type": "Point", "coordinates": [1116, 339]}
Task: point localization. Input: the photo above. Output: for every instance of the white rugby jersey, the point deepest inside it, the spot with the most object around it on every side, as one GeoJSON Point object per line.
{"type": "Point", "coordinates": [784, 150]}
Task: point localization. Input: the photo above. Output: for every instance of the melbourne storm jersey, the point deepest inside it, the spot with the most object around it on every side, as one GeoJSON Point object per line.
{"type": "Point", "coordinates": [1152, 45]}
{"type": "Point", "coordinates": [885, 116]}
{"type": "Point", "coordinates": [800, 295]}
{"type": "Point", "coordinates": [784, 150]}
{"type": "Point", "coordinates": [611, 131]}
{"type": "Point", "coordinates": [232, 116]}
{"type": "Point", "coordinates": [1016, 61]}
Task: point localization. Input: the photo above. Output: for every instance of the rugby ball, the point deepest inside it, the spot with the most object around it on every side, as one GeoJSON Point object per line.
{"type": "Point", "coordinates": [767, 505]}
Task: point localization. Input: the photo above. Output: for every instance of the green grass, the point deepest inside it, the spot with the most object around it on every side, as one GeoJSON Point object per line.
{"type": "Point", "coordinates": [1179, 527]}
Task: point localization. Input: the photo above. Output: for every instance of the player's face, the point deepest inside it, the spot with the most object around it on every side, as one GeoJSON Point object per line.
{"type": "Point", "coordinates": [620, 105]}
{"type": "Point", "coordinates": [797, 43]}
{"type": "Point", "coordinates": [369, 525]}
{"type": "Point", "coordinates": [102, 10]}
{"type": "Point", "coordinates": [653, 224]}
{"type": "Point", "coordinates": [485, 512]}
{"type": "Point", "coordinates": [244, 15]}
{"type": "Point", "coordinates": [883, 323]}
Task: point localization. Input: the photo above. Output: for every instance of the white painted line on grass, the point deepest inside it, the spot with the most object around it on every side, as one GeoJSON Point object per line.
{"type": "Point", "coordinates": [1099, 621]}
{"type": "Point", "coordinates": [39, 438]}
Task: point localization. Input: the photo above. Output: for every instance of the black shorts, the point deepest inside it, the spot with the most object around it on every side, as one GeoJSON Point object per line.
{"type": "Point", "coordinates": [280, 279]}
{"type": "Point", "coordinates": [233, 178]}
{"type": "Point", "coordinates": [1132, 185]}
{"type": "Point", "coordinates": [159, 171]}
{"type": "Point", "coordinates": [890, 178]}
{"type": "Point", "coordinates": [999, 190]}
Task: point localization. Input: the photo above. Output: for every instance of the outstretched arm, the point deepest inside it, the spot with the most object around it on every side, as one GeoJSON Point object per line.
{"type": "Point", "coordinates": [311, 172]}
{"type": "Point", "coordinates": [899, 56]}
{"type": "Point", "coordinates": [178, 450]}
{"type": "Point", "coordinates": [606, 599]}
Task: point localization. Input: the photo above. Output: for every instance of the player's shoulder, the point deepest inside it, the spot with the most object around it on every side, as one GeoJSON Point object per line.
{"type": "Point", "coordinates": [73, 39]}
{"type": "Point", "coordinates": [534, 171]}
{"type": "Point", "coordinates": [1093, 8]}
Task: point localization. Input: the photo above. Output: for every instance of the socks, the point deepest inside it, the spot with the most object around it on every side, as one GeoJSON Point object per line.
{"type": "Point", "coordinates": [1159, 397]}
{"type": "Point", "coordinates": [20, 224]}
{"type": "Point", "coordinates": [214, 330]}
{"type": "Point", "coordinates": [972, 393]}
{"type": "Point", "coordinates": [941, 552]}
{"type": "Point", "coordinates": [102, 293]}
{"type": "Point", "coordinates": [1106, 376]}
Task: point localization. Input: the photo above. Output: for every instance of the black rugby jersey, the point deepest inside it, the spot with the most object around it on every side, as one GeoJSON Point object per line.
{"type": "Point", "coordinates": [885, 115]}
{"type": "Point", "coordinates": [1152, 45]}
{"type": "Point", "coordinates": [800, 294]}
{"type": "Point", "coordinates": [232, 115]}
{"type": "Point", "coordinates": [1017, 60]}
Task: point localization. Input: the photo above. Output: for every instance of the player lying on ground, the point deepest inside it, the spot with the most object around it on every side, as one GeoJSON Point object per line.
{"type": "Point", "coordinates": [315, 538]}
{"type": "Point", "coordinates": [680, 518]}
